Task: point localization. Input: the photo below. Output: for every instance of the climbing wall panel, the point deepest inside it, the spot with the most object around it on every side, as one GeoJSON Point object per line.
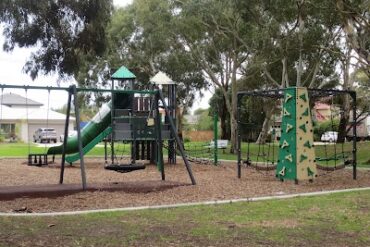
{"type": "Point", "coordinates": [296, 153]}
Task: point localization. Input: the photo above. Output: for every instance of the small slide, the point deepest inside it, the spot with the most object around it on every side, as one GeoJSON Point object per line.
{"type": "Point", "coordinates": [93, 133]}
{"type": "Point", "coordinates": [74, 157]}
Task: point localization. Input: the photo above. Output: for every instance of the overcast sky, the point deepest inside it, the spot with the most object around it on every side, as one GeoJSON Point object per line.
{"type": "Point", "coordinates": [11, 72]}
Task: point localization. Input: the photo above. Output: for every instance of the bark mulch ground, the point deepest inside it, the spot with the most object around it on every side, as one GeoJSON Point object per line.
{"type": "Point", "coordinates": [36, 189]}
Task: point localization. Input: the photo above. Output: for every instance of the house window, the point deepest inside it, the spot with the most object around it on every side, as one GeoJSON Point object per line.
{"type": "Point", "coordinates": [8, 130]}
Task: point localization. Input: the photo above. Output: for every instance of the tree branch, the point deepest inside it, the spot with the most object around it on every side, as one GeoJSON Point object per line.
{"type": "Point", "coordinates": [267, 74]}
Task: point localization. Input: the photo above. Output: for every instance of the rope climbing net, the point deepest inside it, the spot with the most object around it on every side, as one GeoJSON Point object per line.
{"type": "Point", "coordinates": [259, 118]}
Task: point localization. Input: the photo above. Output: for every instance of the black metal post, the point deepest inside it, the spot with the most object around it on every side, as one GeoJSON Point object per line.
{"type": "Point", "coordinates": [354, 150]}
{"type": "Point", "coordinates": [112, 115]}
{"type": "Point", "coordinates": [182, 151]}
{"type": "Point", "coordinates": [105, 152]}
{"type": "Point", "coordinates": [65, 138]}
{"type": "Point", "coordinates": [159, 137]}
{"type": "Point", "coordinates": [238, 136]}
{"type": "Point", "coordinates": [134, 143]}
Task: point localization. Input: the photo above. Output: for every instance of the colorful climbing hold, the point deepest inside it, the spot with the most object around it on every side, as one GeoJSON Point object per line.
{"type": "Point", "coordinates": [310, 173]}
{"type": "Point", "coordinates": [282, 172]}
{"type": "Point", "coordinates": [307, 144]}
{"type": "Point", "coordinates": [289, 157]}
{"type": "Point", "coordinates": [288, 97]}
{"type": "Point", "coordinates": [289, 127]}
{"type": "Point", "coordinates": [286, 113]}
{"type": "Point", "coordinates": [303, 97]}
{"type": "Point", "coordinates": [303, 157]}
{"type": "Point", "coordinates": [305, 113]}
{"type": "Point", "coordinates": [285, 144]}
{"type": "Point", "coordinates": [303, 127]}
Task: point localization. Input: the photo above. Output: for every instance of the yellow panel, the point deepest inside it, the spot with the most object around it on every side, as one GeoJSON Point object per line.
{"type": "Point", "coordinates": [303, 137]}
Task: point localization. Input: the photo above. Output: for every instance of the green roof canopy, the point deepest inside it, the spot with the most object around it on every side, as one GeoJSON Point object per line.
{"type": "Point", "coordinates": [123, 73]}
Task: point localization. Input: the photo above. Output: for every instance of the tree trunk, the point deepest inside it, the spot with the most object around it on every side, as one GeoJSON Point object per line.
{"type": "Point", "coordinates": [234, 106]}
{"type": "Point", "coordinates": [265, 126]}
{"type": "Point", "coordinates": [352, 37]}
{"type": "Point", "coordinates": [344, 119]}
{"type": "Point", "coordinates": [300, 37]}
{"type": "Point", "coordinates": [347, 84]}
{"type": "Point", "coordinates": [225, 130]}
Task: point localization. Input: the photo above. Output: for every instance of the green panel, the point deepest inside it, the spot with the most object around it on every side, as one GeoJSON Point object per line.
{"type": "Point", "coordinates": [286, 167]}
{"type": "Point", "coordinates": [142, 130]}
{"type": "Point", "coordinates": [91, 145]}
{"type": "Point", "coordinates": [123, 73]}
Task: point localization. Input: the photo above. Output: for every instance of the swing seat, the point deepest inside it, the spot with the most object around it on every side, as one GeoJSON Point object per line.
{"type": "Point", "coordinates": [124, 168]}
{"type": "Point", "coordinates": [37, 159]}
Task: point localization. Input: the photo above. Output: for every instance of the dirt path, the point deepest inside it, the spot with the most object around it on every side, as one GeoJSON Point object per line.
{"type": "Point", "coordinates": [213, 183]}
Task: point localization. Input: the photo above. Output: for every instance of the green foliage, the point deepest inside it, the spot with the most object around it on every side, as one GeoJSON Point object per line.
{"type": "Point", "coordinates": [64, 32]}
{"type": "Point", "coordinates": [187, 140]}
{"type": "Point", "coordinates": [2, 136]}
{"type": "Point", "coordinates": [142, 37]}
{"type": "Point", "coordinates": [205, 121]}
{"type": "Point", "coordinates": [363, 92]}
{"type": "Point", "coordinates": [279, 48]}
{"type": "Point", "coordinates": [217, 105]}
{"type": "Point", "coordinates": [321, 128]}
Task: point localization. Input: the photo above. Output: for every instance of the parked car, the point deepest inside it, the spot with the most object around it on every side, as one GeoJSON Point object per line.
{"type": "Point", "coordinates": [329, 136]}
{"type": "Point", "coordinates": [70, 133]}
{"type": "Point", "coordinates": [45, 134]}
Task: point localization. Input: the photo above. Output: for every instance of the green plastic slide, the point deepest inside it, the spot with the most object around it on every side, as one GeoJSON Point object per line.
{"type": "Point", "coordinates": [100, 122]}
{"type": "Point", "coordinates": [74, 157]}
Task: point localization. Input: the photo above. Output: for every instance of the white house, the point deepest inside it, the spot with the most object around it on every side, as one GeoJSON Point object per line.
{"type": "Point", "coordinates": [20, 117]}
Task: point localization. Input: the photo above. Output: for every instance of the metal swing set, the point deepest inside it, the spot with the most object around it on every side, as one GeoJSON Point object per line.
{"type": "Point", "coordinates": [138, 130]}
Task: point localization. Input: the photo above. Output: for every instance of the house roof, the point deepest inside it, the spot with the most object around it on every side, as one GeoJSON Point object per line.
{"type": "Point", "coordinates": [12, 99]}
{"type": "Point", "coordinates": [321, 106]}
{"type": "Point", "coordinates": [22, 113]}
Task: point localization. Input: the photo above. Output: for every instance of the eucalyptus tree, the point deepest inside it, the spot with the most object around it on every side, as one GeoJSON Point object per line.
{"type": "Point", "coordinates": [65, 33]}
{"type": "Point", "coordinates": [205, 28]}
{"type": "Point", "coordinates": [218, 106]}
{"type": "Point", "coordinates": [355, 20]}
{"type": "Point", "coordinates": [300, 46]}
{"type": "Point", "coordinates": [141, 36]}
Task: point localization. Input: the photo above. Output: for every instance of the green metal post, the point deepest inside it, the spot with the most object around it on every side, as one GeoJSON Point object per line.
{"type": "Point", "coordinates": [215, 131]}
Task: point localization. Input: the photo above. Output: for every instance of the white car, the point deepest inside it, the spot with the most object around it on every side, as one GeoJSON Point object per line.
{"type": "Point", "coordinates": [329, 136]}
{"type": "Point", "coordinates": [45, 134]}
{"type": "Point", "coordinates": [70, 133]}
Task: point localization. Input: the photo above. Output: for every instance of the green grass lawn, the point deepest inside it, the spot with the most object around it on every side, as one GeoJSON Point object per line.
{"type": "Point", "coordinates": [333, 220]}
{"type": "Point", "coordinates": [199, 149]}
{"type": "Point", "coordinates": [22, 149]}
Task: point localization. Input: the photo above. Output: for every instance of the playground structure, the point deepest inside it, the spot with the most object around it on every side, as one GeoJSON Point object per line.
{"type": "Point", "coordinates": [33, 189]}
{"type": "Point", "coordinates": [131, 116]}
{"type": "Point", "coordinates": [287, 126]}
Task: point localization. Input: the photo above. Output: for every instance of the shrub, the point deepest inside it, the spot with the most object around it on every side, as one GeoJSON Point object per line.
{"type": "Point", "coordinates": [321, 128]}
{"type": "Point", "coordinates": [187, 139]}
{"type": "Point", "coordinates": [2, 136]}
